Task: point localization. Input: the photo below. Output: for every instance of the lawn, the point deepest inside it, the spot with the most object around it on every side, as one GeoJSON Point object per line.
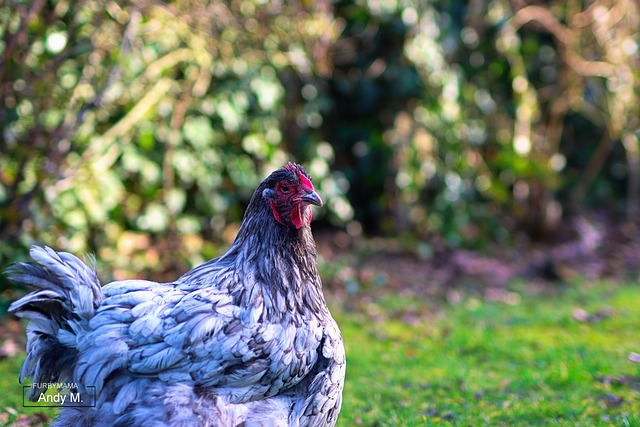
{"type": "Point", "coordinates": [560, 358]}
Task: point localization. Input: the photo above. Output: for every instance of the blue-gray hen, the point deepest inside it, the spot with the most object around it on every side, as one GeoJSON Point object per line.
{"type": "Point", "coordinates": [245, 339]}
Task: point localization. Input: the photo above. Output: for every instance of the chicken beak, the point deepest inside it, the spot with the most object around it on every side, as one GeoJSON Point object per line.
{"type": "Point", "coordinates": [312, 198]}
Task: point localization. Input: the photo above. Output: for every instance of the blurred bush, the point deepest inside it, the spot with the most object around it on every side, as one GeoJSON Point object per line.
{"type": "Point", "coordinates": [138, 130]}
{"type": "Point", "coordinates": [529, 113]}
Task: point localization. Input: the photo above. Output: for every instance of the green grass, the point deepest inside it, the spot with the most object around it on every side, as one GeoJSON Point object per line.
{"type": "Point", "coordinates": [11, 393]}
{"type": "Point", "coordinates": [479, 364]}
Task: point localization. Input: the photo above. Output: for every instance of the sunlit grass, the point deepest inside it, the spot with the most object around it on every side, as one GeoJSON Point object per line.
{"type": "Point", "coordinates": [476, 363]}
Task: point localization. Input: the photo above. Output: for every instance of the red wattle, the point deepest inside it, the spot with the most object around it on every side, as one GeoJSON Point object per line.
{"type": "Point", "coordinates": [296, 216]}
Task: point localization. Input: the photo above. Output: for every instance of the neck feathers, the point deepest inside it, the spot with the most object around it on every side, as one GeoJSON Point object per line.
{"type": "Point", "coordinates": [269, 265]}
{"type": "Point", "coordinates": [280, 259]}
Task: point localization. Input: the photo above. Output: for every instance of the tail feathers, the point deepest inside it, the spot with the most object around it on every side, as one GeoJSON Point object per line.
{"type": "Point", "coordinates": [60, 278]}
{"type": "Point", "coordinates": [67, 294]}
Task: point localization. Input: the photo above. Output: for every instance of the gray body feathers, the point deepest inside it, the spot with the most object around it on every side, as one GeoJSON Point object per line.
{"type": "Point", "coordinates": [245, 339]}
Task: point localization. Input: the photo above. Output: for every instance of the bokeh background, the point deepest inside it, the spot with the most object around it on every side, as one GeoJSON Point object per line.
{"type": "Point", "coordinates": [479, 162]}
{"type": "Point", "coordinates": [138, 130]}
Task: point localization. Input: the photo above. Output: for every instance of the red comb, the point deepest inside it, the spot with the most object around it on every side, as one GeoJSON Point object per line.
{"type": "Point", "coordinates": [305, 182]}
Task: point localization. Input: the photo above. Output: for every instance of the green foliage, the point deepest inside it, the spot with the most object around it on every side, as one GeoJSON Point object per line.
{"type": "Point", "coordinates": [139, 131]}
{"type": "Point", "coordinates": [496, 132]}
{"type": "Point", "coordinates": [371, 83]}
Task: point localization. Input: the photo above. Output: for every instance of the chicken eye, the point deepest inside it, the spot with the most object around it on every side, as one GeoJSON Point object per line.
{"type": "Point", "coordinates": [285, 189]}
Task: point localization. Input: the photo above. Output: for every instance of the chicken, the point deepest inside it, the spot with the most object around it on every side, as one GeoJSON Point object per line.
{"type": "Point", "coordinates": [245, 339]}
